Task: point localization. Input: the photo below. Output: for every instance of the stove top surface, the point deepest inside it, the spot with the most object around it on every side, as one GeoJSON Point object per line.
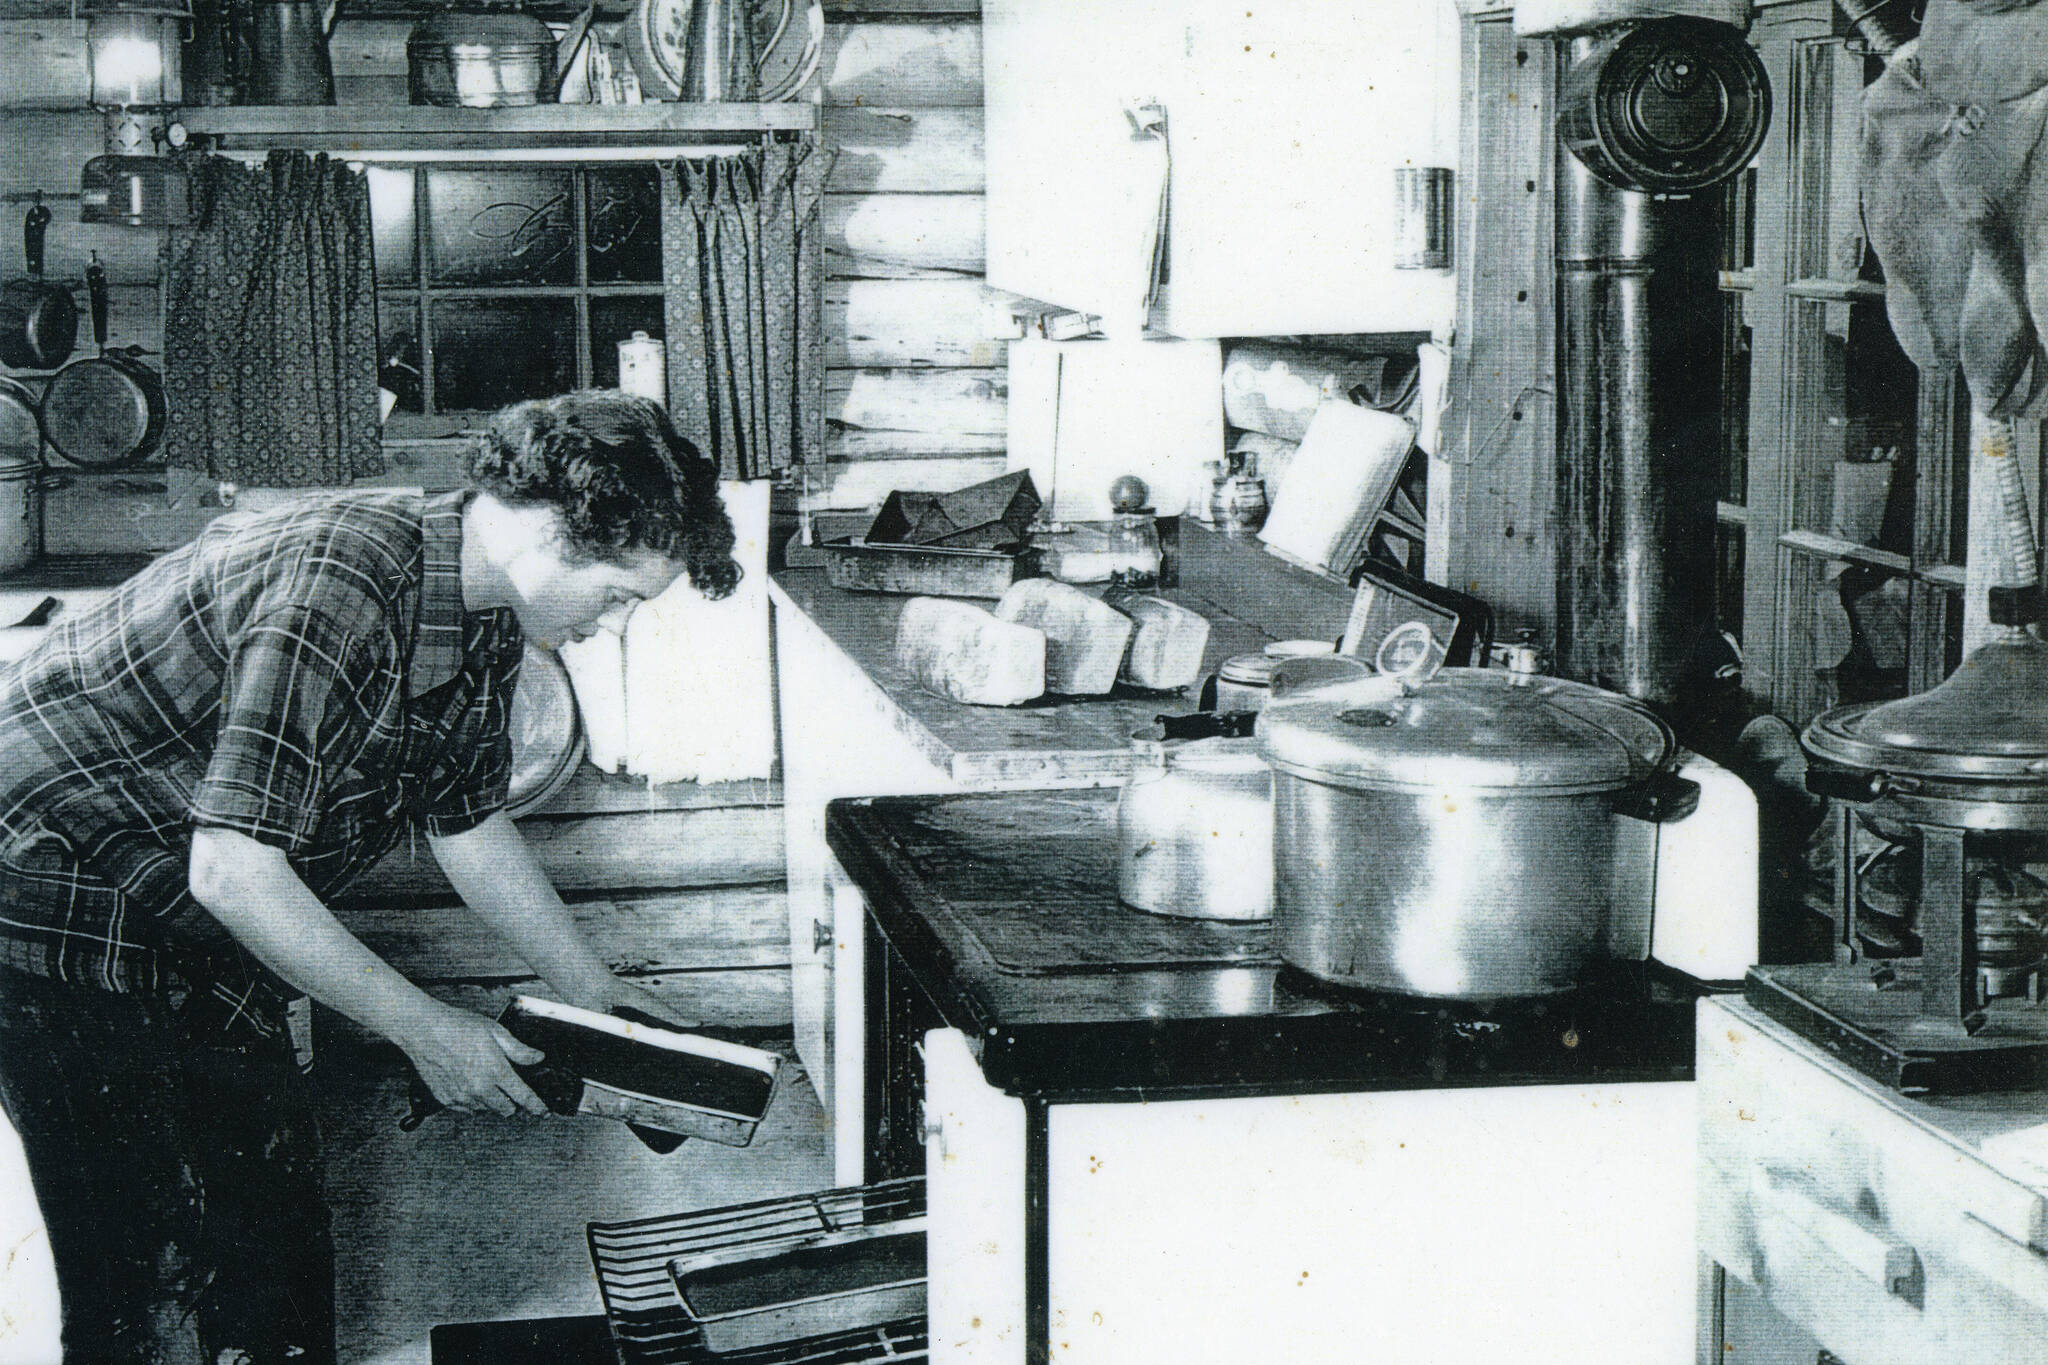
{"type": "Point", "coordinates": [1003, 906]}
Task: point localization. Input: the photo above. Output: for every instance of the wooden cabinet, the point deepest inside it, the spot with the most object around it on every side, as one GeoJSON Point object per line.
{"type": "Point", "coordinates": [1284, 125]}
{"type": "Point", "coordinates": [837, 740]}
{"type": "Point", "coordinates": [1874, 1224]}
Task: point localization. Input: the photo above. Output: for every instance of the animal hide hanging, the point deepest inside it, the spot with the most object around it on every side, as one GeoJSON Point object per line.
{"type": "Point", "coordinates": [1956, 201]}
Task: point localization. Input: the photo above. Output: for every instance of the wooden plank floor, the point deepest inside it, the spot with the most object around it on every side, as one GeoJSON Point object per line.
{"type": "Point", "coordinates": [476, 1218]}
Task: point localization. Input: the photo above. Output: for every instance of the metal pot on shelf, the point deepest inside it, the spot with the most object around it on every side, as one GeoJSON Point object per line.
{"type": "Point", "coordinates": [1456, 838]}
{"type": "Point", "coordinates": [481, 58]}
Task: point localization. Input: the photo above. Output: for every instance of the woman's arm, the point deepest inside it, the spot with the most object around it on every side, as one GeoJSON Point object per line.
{"type": "Point", "coordinates": [251, 888]}
{"type": "Point", "coordinates": [499, 878]}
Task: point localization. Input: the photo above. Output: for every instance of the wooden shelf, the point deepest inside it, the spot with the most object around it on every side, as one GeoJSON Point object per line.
{"type": "Point", "coordinates": [1821, 546]}
{"type": "Point", "coordinates": [1826, 290]}
{"type": "Point", "coordinates": [528, 132]}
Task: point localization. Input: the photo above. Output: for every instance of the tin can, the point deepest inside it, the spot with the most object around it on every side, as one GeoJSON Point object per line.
{"type": "Point", "coordinates": [1422, 218]}
{"type": "Point", "coordinates": [643, 367]}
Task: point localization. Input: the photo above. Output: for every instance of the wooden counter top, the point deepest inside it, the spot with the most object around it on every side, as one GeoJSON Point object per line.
{"type": "Point", "coordinates": [1050, 742]}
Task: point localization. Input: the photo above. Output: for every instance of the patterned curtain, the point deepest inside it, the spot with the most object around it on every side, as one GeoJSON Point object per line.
{"type": "Point", "coordinates": [743, 256]}
{"type": "Point", "coordinates": [270, 326]}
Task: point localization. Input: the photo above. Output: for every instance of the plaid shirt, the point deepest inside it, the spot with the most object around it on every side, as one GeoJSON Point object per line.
{"type": "Point", "coordinates": [307, 677]}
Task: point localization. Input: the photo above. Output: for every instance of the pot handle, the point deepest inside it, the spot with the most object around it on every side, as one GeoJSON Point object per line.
{"type": "Point", "coordinates": [1207, 725]}
{"type": "Point", "coordinates": [1845, 784]}
{"type": "Point", "coordinates": [1665, 797]}
{"type": "Point", "coordinates": [96, 296]}
{"type": "Point", "coordinates": [32, 232]}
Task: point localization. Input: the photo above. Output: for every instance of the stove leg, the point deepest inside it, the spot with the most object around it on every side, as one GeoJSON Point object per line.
{"type": "Point", "coordinates": [1948, 930]}
{"type": "Point", "coordinates": [1845, 883]}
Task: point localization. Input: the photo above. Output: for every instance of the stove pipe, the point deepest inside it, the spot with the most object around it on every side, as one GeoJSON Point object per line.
{"type": "Point", "coordinates": [1653, 118]}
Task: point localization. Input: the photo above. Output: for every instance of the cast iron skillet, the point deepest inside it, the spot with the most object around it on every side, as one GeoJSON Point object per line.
{"type": "Point", "coordinates": [105, 410]}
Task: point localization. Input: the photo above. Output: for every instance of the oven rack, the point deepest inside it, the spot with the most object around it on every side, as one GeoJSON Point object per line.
{"type": "Point", "coordinates": [648, 1322]}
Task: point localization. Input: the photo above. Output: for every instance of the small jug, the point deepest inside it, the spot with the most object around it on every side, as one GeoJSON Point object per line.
{"type": "Point", "coordinates": [1237, 501]}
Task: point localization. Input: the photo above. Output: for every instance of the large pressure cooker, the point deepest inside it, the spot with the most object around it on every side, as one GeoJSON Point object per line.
{"type": "Point", "coordinates": [1456, 838]}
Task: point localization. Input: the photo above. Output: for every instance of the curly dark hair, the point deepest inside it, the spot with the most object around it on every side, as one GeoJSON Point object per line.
{"type": "Point", "coordinates": [622, 476]}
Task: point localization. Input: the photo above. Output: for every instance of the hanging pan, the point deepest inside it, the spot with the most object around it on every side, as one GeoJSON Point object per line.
{"type": "Point", "coordinates": [38, 320]}
{"type": "Point", "coordinates": [20, 430]}
{"type": "Point", "coordinates": [106, 410]}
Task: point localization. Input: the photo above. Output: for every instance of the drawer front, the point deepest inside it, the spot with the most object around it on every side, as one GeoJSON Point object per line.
{"type": "Point", "coordinates": [1883, 1240]}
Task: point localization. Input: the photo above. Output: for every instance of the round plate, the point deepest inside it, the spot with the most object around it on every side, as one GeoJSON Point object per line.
{"type": "Point", "coordinates": [547, 733]}
{"type": "Point", "coordinates": [655, 32]}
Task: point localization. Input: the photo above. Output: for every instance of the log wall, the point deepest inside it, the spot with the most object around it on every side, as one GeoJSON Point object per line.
{"type": "Point", "coordinates": [918, 388]}
{"type": "Point", "coordinates": [914, 339]}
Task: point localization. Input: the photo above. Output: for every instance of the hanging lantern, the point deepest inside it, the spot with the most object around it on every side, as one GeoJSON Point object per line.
{"type": "Point", "coordinates": [134, 52]}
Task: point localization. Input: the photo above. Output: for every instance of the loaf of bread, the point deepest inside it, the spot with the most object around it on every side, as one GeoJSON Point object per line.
{"type": "Point", "coordinates": [1085, 638]}
{"type": "Point", "coordinates": [962, 651]}
{"type": "Point", "coordinates": [1166, 650]}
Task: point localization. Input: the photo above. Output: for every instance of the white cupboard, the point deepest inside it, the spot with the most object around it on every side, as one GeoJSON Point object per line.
{"type": "Point", "coordinates": [1284, 125]}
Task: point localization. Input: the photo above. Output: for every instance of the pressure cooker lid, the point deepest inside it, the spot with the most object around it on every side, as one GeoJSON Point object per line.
{"type": "Point", "coordinates": [1986, 722]}
{"type": "Point", "coordinates": [1466, 727]}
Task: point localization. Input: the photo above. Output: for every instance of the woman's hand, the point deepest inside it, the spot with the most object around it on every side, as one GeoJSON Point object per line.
{"type": "Point", "coordinates": [466, 1060]}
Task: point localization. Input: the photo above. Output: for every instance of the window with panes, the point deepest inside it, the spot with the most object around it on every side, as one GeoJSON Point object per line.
{"type": "Point", "coordinates": [497, 282]}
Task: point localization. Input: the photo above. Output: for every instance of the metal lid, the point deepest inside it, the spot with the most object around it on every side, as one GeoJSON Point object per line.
{"type": "Point", "coordinates": [1987, 722]}
{"type": "Point", "coordinates": [1467, 728]}
{"type": "Point", "coordinates": [1250, 670]}
{"type": "Point", "coordinates": [511, 30]}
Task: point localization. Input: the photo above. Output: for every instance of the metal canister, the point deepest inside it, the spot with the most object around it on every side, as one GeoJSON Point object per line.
{"type": "Point", "coordinates": [1244, 682]}
{"type": "Point", "coordinates": [21, 511]}
{"type": "Point", "coordinates": [643, 367]}
{"type": "Point", "coordinates": [1422, 218]}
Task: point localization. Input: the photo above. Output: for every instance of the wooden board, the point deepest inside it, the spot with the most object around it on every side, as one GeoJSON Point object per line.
{"type": "Point", "coordinates": [671, 931]}
{"type": "Point", "coordinates": [46, 151]}
{"type": "Point", "coordinates": [850, 445]}
{"type": "Point", "coordinates": [951, 401]}
{"type": "Point", "coordinates": [1498, 437]}
{"type": "Point", "coordinates": [1082, 742]}
{"type": "Point", "coordinates": [867, 482]}
{"type": "Point", "coordinates": [902, 64]}
{"type": "Point", "coordinates": [749, 997]}
{"type": "Point", "coordinates": [122, 513]}
{"type": "Point", "coordinates": [730, 846]}
{"type": "Point", "coordinates": [914, 324]}
{"type": "Point", "coordinates": [45, 63]}
{"type": "Point", "coordinates": [891, 235]}
{"type": "Point", "coordinates": [897, 149]}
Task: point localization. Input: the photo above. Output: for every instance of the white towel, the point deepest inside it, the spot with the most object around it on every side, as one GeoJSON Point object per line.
{"type": "Point", "coordinates": [699, 694]}
{"type": "Point", "coordinates": [597, 670]}
{"type": "Point", "coordinates": [1336, 484]}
